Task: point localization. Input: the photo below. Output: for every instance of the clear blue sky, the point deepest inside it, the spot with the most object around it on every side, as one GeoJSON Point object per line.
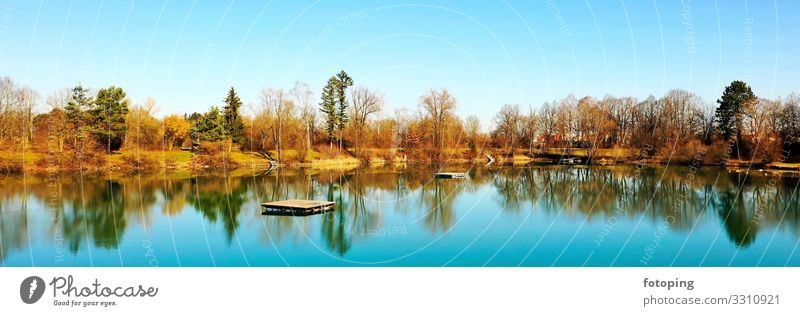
{"type": "Point", "coordinates": [488, 53]}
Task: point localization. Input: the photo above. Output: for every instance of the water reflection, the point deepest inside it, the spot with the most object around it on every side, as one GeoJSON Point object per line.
{"type": "Point", "coordinates": [97, 212]}
{"type": "Point", "coordinates": [219, 199]}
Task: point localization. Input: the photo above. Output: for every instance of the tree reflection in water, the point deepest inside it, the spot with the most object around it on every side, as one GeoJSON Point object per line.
{"type": "Point", "coordinates": [98, 211]}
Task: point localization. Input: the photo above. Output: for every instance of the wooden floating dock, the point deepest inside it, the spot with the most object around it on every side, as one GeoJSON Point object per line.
{"type": "Point", "coordinates": [450, 175]}
{"type": "Point", "coordinates": [296, 207]}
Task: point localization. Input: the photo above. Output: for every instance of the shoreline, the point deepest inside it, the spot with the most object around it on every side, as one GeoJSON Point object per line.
{"type": "Point", "coordinates": [118, 167]}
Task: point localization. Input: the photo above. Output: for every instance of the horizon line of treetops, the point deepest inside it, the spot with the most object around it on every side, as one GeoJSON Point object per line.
{"type": "Point", "coordinates": [348, 116]}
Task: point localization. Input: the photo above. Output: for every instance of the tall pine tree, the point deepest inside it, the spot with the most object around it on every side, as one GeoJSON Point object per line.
{"type": "Point", "coordinates": [328, 106]}
{"type": "Point", "coordinates": [334, 105]}
{"type": "Point", "coordinates": [78, 119]}
{"type": "Point", "coordinates": [79, 102]}
{"type": "Point", "coordinates": [729, 111]}
{"type": "Point", "coordinates": [344, 82]}
{"type": "Point", "coordinates": [108, 117]}
{"type": "Point", "coordinates": [234, 126]}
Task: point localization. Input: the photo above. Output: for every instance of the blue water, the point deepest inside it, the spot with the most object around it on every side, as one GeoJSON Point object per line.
{"type": "Point", "coordinates": [401, 216]}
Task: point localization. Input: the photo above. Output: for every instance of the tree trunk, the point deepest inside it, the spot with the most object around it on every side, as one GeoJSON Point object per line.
{"type": "Point", "coordinates": [308, 139]}
{"type": "Point", "coordinates": [280, 144]}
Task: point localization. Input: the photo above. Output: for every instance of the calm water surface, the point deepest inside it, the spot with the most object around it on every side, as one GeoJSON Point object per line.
{"type": "Point", "coordinates": [401, 216]}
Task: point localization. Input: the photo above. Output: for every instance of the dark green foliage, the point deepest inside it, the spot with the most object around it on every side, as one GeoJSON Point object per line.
{"type": "Point", "coordinates": [78, 104]}
{"type": "Point", "coordinates": [328, 106]}
{"type": "Point", "coordinates": [334, 104]}
{"type": "Point", "coordinates": [77, 116]}
{"type": "Point", "coordinates": [210, 127]}
{"type": "Point", "coordinates": [194, 117]}
{"type": "Point", "coordinates": [106, 218]}
{"type": "Point", "coordinates": [224, 205]}
{"type": "Point", "coordinates": [234, 126]}
{"type": "Point", "coordinates": [108, 117]}
{"type": "Point", "coordinates": [729, 112]}
{"type": "Point", "coordinates": [343, 82]}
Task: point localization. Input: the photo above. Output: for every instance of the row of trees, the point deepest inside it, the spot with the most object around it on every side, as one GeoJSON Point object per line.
{"type": "Point", "coordinates": [351, 117]}
{"type": "Point", "coordinates": [16, 111]}
{"type": "Point", "coordinates": [78, 121]}
{"type": "Point", "coordinates": [676, 124]}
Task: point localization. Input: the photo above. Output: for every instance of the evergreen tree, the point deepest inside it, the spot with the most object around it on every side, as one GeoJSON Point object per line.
{"type": "Point", "coordinates": [108, 117]}
{"type": "Point", "coordinates": [729, 111]}
{"type": "Point", "coordinates": [194, 117]}
{"type": "Point", "coordinates": [344, 82]}
{"type": "Point", "coordinates": [234, 126]}
{"type": "Point", "coordinates": [334, 104]}
{"type": "Point", "coordinates": [209, 127]}
{"type": "Point", "coordinates": [75, 111]}
{"type": "Point", "coordinates": [79, 103]}
{"type": "Point", "coordinates": [328, 106]}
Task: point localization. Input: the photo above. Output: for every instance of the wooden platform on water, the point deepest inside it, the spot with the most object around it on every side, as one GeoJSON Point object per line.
{"type": "Point", "coordinates": [450, 175]}
{"type": "Point", "coordinates": [296, 207]}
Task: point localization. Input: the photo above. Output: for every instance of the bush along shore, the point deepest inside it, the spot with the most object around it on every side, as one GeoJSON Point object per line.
{"type": "Point", "coordinates": [79, 129]}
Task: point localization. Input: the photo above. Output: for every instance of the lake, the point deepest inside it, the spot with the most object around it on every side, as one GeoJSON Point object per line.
{"type": "Point", "coordinates": [629, 215]}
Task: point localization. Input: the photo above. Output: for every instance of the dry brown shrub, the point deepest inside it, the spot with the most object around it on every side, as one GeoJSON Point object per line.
{"type": "Point", "coordinates": [716, 153]}
{"type": "Point", "coordinates": [328, 152]}
{"type": "Point", "coordinates": [211, 148]}
{"type": "Point", "coordinates": [71, 161]}
{"type": "Point", "coordinates": [221, 161]}
{"type": "Point", "coordinates": [139, 163]}
{"type": "Point", "coordinates": [11, 166]}
{"type": "Point", "coordinates": [214, 155]}
{"type": "Point", "coordinates": [691, 152]}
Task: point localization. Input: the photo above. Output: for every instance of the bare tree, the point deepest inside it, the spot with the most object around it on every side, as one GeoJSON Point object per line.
{"type": "Point", "coordinates": [27, 100]}
{"type": "Point", "coordinates": [761, 127]}
{"type": "Point", "coordinates": [679, 114]}
{"type": "Point", "coordinates": [403, 120]}
{"type": "Point", "coordinates": [8, 106]}
{"type": "Point", "coordinates": [365, 102]}
{"type": "Point", "coordinates": [276, 103]}
{"type": "Point", "coordinates": [509, 121]}
{"type": "Point", "coordinates": [439, 106]}
{"type": "Point", "coordinates": [646, 115]}
{"type": "Point", "coordinates": [566, 120]}
{"type": "Point", "coordinates": [149, 105]}
{"type": "Point", "coordinates": [59, 99]}
{"type": "Point", "coordinates": [529, 126]}
{"type": "Point", "coordinates": [619, 118]}
{"type": "Point", "coordinates": [472, 126]}
{"type": "Point", "coordinates": [547, 122]}
{"type": "Point", "coordinates": [16, 112]}
{"type": "Point", "coordinates": [790, 119]}
{"type": "Point", "coordinates": [302, 96]}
